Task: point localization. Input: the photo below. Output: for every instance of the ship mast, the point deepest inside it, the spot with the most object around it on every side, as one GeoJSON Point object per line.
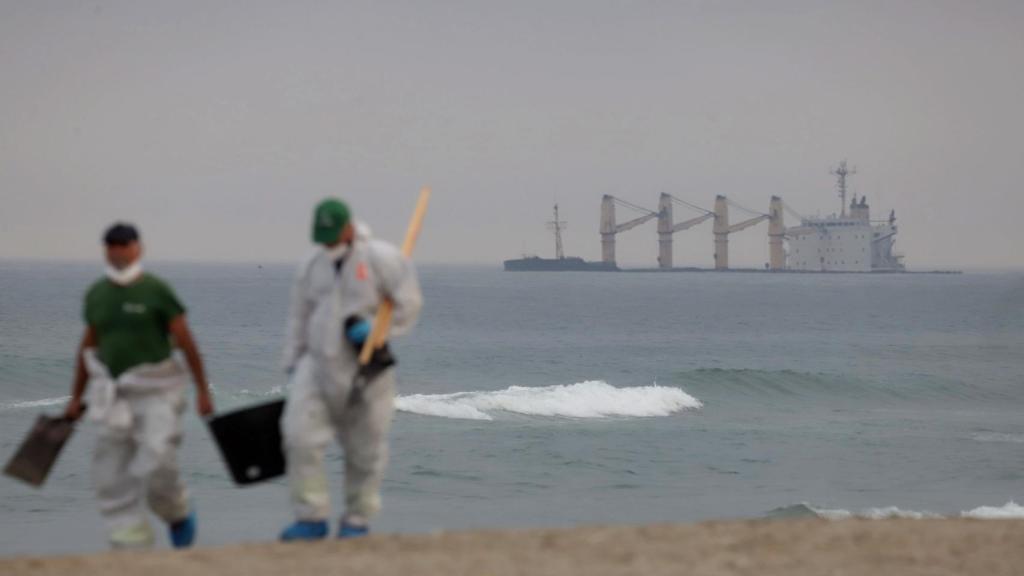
{"type": "Point", "coordinates": [557, 225]}
{"type": "Point", "coordinates": [841, 173]}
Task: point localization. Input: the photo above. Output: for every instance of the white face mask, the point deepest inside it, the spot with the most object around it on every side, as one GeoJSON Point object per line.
{"type": "Point", "coordinates": [338, 252]}
{"type": "Point", "coordinates": [125, 276]}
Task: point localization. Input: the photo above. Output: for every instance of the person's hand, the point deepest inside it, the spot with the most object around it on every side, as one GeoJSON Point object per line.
{"type": "Point", "coordinates": [204, 403]}
{"type": "Point", "coordinates": [74, 409]}
{"type": "Point", "coordinates": [357, 330]}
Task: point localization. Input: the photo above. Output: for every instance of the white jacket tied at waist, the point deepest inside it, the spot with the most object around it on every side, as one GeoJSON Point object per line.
{"type": "Point", "coordinates": [322, 299]}
{"type": "Point", "coordinates": [107, 394]}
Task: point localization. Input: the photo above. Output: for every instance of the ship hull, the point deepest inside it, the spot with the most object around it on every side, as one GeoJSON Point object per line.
{"type": "Point", "coordinates": [571, 264]}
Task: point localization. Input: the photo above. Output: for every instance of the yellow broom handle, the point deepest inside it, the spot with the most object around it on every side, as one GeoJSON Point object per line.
{"type": "Point", "coordinates": [382, 323]}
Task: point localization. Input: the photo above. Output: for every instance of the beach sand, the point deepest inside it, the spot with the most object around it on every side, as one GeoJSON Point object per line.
{"type": "Point", "coordinates": [762, 547]}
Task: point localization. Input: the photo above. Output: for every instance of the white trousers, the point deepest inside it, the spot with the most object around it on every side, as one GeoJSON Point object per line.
{"type": "Point", "coordinates": [318, 410]}
{"type": "Point", "coordinates": [135, 463]}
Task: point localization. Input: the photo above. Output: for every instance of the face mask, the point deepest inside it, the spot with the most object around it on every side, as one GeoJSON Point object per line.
{"type": "Point", "coordinates": [125, 276]}
{"type": "Point", "coordinates": [338, 252]}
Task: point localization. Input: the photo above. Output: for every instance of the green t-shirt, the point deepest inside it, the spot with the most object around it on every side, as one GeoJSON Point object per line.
{"type": "Point", "coordinates": [132, 322]}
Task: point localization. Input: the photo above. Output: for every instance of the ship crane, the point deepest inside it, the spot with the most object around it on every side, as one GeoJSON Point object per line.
{"type": "Point", "coordinates": [722, 229]}
{"type": "Point", "coordinates": [609, 228]}
{"type": "Point", "coordinates": [666, 227]}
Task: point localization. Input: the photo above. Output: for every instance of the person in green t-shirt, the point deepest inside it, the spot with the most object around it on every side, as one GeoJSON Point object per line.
{"type": "Point", "coordinates": [137, 392]}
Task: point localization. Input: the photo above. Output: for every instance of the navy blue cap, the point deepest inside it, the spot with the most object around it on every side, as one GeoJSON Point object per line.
{"type": "Point", "coordinates": [120, 234]}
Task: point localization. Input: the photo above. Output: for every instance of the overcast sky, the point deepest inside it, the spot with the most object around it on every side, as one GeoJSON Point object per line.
{"type": "Point", "coordinates": [215, 126]}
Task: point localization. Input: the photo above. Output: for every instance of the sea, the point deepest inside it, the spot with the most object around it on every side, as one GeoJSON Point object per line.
{"type": "Point", "coordinates": [558, 399]}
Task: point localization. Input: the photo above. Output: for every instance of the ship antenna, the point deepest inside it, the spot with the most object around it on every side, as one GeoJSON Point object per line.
{"type": "Point", "coordinates": [557, 225]}
{"type": "Point", "coordinates": [841, 173]}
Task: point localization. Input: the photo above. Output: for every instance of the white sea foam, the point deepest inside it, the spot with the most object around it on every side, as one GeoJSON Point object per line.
{"type": "Point", "coordinates": [590, 399]}
{"type": "Point", "coordinates": [435, 405]}
{"type": "Point", "coordinates": [894, 512]}
{"type": "Point", "coordinates": [1009, 510]}
{"type": "Point", "coordinates": [274, 391]}
{"type": "Point", "coordinates": [998, 437]}
{"type": "Point", "coordinates": [34, 403]}
{"type": "Point", "coordinates": [872, 513]}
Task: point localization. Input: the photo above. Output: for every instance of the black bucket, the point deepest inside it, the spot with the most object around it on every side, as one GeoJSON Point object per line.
{"type": "Point", "coordinates": [250, 442]}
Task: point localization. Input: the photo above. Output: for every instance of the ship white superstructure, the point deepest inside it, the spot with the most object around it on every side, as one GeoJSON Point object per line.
{"type": "Point", "coordinates": [849, 242]}
{"type": "Point", "coordinates": [843, 244]}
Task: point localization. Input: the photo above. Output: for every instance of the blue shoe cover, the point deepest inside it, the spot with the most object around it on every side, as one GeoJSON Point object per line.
{"type": "Point", "coordinates": [183, 532]}
{"type": "Point", "coordinates": [352, 531]}
{"type": "Point", "coordinates": [305, 530]}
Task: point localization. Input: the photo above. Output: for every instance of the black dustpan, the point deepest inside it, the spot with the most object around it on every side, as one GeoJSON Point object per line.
{"type": "Point", "coordinates": [250, 442]}
{"type": "Point", "coordinates": [38, 452]}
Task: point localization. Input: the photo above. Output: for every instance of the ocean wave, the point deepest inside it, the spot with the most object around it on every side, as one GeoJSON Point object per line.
{"type": "Point", "coordinates": [273, 391]}
{"type": "Point", "coordinates": [804, 510]}
{"type": "Point", "coordinates": [218, 393]}
{"type": "Point", "coordinates": [1009, 510]}
{"type": "Point", "coordinates": [791, 384]}
{"type": "Point", "coordinates": [590, 399]}
{"type": "Point", "coordinates": [23, 404]}
{"type": "Point", "coordinates": [998, 437]}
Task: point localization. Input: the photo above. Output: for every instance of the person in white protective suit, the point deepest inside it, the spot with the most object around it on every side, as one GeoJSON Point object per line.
{"type": "Point", "coordinates": [136, 395]}
{"type": "Point", "coordinates": [336, 294]}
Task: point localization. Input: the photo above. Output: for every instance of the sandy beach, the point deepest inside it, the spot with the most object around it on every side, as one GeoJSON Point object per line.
{"type": "Point", "coordinates": [795, 547]}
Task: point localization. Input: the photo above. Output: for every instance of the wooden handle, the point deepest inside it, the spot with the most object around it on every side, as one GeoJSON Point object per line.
{"type": "Point", "coordinates": [382, 323]}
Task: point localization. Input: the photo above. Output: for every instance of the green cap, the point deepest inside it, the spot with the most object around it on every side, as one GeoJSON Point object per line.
{"type": "Point", "coordinates": [329, 219]}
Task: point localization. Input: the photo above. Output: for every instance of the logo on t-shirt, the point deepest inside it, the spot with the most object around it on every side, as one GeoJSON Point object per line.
{"type": "Point", "coordinates": [133, 308]}
{"type": "Point", "coordinates": [362, 273]}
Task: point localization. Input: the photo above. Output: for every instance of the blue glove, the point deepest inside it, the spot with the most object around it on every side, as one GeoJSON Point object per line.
{"type": "Point", "coordinates": [357, 332]}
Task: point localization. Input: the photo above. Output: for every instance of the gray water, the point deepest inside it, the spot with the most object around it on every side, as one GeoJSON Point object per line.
{"type": "Point", "coordinates": [532, 399]}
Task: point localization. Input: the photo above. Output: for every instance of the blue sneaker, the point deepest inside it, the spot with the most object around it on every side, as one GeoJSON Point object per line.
{"type": "Point", "coordinates": [347, 530]}
{"type": "Point", "coordinates": [305, 530]}
{"type": "Point", "coordinates": [183, 532]}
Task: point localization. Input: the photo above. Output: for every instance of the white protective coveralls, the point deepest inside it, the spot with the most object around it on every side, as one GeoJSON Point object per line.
{"type": "Point", "coordinates": [139, 417]}
{"type": "Point", "coordinates": [323, 364]}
